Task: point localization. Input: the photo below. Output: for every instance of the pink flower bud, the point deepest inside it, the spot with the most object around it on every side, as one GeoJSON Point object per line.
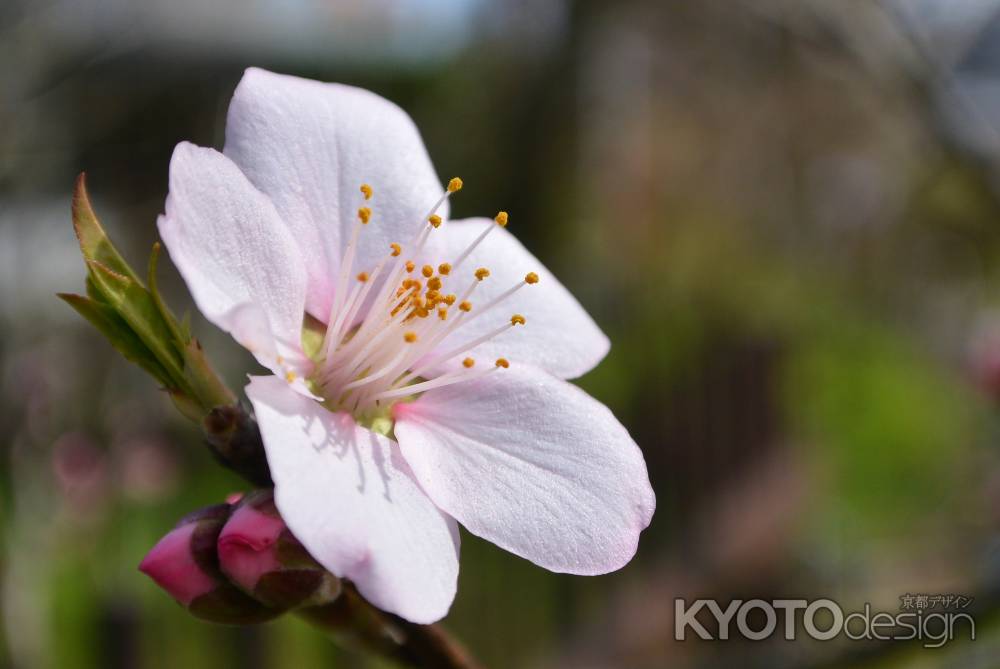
{"type": "Point", "coordinates": [258, 553]}
{"type": "Point", "coordinates": [185, 564]}
{"type": "Point", "coordinates": [172, 565]}
{"type": "Point", "coordinates": [248, 546]}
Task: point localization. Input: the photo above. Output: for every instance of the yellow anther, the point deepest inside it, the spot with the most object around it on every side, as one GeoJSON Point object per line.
{"type": "Point", "coordinates": [450, 298]}
{"type": "Point", "coordinates": [482, 273]}
{"type": "Point", "coordinates": [502, 362]}
{"type": "Point", "coordinates": [444, 269]}
{"type": "Point", "coordinates": [465, 306]}
{"type": "Point", "coordinates": [501, 219]}
{"type": "Point", "coordinates": [427, 271]}
{"type": "Point", "coordinates": [434, 220]}
{"type": "Point", "coordinates": [454, 185]}
{"type": "Point", "coordinates": [290, 376]}
{"type": "Point", "coordinates": [531, 277]}
{"type": "Point", "coordinates": [410, 337]}
{"type": "Point", "coordinates": [517, 319]}
{"type": "Point", "coordinates": [396, 249]}
{"type": "Point", "coordinates": [434, 283]}
{"type": "Point", "coordinates": [443, 313]}
{"type": "Point", "coordinates": [362, 276]}
{"type": "Point", "coordinates": [468, 363]}
{"type": "Point", "coordinates": [422, 312]}
{"type": "Point", "coordinates": [367, 190]}
{"type": "Point", "coordinates": [365, 214]}
{"type": "Point", "coordinates": [410, 265]}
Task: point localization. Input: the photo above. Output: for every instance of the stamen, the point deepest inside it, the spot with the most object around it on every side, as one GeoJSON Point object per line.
{"type": "Point", "coordinates": [468, 346]}
{"type": "Point", "coordinates": [465, 254]}
{"type": "Point", "coordinates": [529, 279]}
{"type": "Point", "coordinates": [502, 362]}
{"type": "Point", "coordinates": [368, 360]}
{"type": "Point", "coordinates": [439, 382]}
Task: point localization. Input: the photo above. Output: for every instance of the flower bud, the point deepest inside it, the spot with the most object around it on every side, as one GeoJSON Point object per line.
{"type": "Point", "coordinates": [258, 553]}
{"type": "Point", "coordinates": [185, 564]}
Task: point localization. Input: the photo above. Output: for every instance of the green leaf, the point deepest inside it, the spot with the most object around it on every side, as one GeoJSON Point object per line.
{"type": "Point", "coordinates": [135, 305]}
{"type": "Point", "coordinates": [94, 241]}
{"type": "Point", "coordinates": [205, 384]}
{"type": "Point", "coordinates": [118, 332]}
{"type": "Point", "coordinates": [138, 321]}
{"type": "Point", "coordinates": [180, 338]}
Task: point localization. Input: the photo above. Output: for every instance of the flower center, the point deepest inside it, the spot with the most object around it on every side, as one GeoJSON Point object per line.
{"type": "Point", "coordinates": [381, 343]}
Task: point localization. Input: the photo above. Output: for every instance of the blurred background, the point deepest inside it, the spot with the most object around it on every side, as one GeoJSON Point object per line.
{"type": "Point", "coordinates": [784, 213]}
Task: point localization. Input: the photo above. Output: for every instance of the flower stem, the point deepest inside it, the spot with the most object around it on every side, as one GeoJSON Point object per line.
{"type": "Point", "coordinates": [355, 623]}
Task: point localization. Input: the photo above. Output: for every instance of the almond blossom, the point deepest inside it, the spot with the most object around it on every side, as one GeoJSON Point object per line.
{"type": "Point", "coordinates": [418, 364]}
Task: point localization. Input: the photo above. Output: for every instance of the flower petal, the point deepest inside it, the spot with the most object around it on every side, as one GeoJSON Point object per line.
{"type": "Point", "coordinates": [347, 494]}
{"type": "Point", "coordinates": [533, 464]}
{"type": "Point", "coordinates": [309, 146]}
{"type": "Point", "coordinates": [559, 336]}
{"type": "Point", "coordinates": [239, 261]}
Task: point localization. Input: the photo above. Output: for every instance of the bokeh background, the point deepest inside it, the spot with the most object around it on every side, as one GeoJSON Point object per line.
{"type": "Point", "coordinates": [784, 213]}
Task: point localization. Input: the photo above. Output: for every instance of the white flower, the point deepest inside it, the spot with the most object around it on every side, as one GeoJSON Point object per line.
{"type": "Point", "coordinates": [392, 413]}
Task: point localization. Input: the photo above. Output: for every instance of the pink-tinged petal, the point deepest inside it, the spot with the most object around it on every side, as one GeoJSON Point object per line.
{"type": "Point", "coordinates": [533, 464]}
{"type": "Point", "coordinates": [309, 146]}
{"type": "Point", "coordinates": [240, 263]}
{"type": "Point", "coordinates": [347, 494]}
{"type": "Point", "coordinates": [559, 336]}
{"type": "Point", "coordinates": [247, 546]}
{"type": "Point", "coordinates": [171, 563]}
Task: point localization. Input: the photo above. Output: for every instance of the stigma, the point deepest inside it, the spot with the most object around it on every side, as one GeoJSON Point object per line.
{"type": "Point", "coordinates": [387, 323]}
